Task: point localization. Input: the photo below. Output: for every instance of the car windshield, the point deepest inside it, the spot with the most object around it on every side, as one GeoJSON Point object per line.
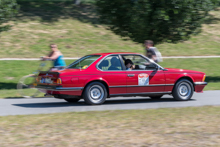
{"type": "Point", "coordinates": [84, 62]}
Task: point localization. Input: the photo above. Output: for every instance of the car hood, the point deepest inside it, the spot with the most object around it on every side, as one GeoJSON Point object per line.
{"type": "Point", "coordinates": [183, 70]}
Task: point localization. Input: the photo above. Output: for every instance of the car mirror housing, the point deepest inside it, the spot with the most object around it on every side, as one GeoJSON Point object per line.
{"type": "Point", "coordinates": [156, 67]}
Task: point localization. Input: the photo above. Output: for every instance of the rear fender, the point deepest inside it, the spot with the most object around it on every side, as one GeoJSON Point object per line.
{"type": "Point", "coordinates": [98, 79]}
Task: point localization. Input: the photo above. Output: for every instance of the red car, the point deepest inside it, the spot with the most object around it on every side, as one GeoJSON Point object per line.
{"type": "Point", "coordinates": [99, 76]}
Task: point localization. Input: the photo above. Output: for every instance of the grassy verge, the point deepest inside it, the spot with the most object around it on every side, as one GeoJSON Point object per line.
{"type": "Point", "coordinates": [197, 126]}
{"type": "Point", "coordinates": [14, 70]}
{"type": "Point", "coordinates": [77, 31]}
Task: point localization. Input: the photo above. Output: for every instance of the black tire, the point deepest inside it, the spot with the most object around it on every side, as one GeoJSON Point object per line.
{"type": "Point", "coordinates": [72, 100]}
{"type": "Point", "coordinates": [95, 93]}
{"type": "Point", "coordinates": [183, 90]}
{"type": "Point", "coordinates": [156, 97]}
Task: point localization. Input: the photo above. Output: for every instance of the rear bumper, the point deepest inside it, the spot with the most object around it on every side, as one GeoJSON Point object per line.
{"type": "Point", "coordinates": [199, 86]}
{"type": "Point", "coordinates": [52, 90]}
{"type": "Point", "coordinates": [56, 88]}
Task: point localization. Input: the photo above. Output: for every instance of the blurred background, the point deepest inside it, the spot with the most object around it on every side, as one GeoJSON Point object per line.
{"type": "Point", "coordinates": [80, 27]}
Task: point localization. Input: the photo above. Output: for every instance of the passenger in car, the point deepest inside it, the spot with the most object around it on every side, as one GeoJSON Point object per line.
{"type": "Point", "coordinates": [115, 63]}
{"type": "Point", "coordinates": [129, 64]}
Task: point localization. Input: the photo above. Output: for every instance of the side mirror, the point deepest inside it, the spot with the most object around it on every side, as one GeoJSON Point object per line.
{"type": "Point", "coordinates": [153, 66]}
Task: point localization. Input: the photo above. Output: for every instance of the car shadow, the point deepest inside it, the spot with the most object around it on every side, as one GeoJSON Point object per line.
{"type": "Point", "coordinates": [48, 105]}
{"type": "Point", "coordinates": [145, 100]}
{"type": "Point", "coordinates": [26, 98]}
{"type": "Point", "coordinates": [108, 102]}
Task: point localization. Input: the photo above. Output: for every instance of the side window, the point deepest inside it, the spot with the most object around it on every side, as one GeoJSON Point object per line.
{"type": "Point", "coordinates": [140, 63]}
{"type": "Point", "coordinates": [110, 63]}
{"type": "Point", "coordinates": [84, 62]}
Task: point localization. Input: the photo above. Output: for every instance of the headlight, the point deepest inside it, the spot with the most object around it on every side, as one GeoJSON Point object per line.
{"type": "Point", "coordinates": [203, 79]}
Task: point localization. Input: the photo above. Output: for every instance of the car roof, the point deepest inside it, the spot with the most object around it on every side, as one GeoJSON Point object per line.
{"type": "Point", "coordinates": [114, 53]}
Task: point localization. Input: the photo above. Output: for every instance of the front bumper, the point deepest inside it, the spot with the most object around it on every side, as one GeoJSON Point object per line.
{"type": "Point", "coordinates": [200, 83]}
{"type": "Point", "coordinates": [199, 86]}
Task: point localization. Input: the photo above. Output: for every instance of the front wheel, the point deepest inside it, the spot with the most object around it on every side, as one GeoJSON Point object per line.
{"type": "Point", "coordinates": [26, 86]}
{"type": "Point", "coordinates": [183, 90]}
{"type": "Point", "coordinates": [95, 93]}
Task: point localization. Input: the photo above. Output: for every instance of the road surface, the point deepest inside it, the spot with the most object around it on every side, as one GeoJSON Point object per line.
{"type": "Point", "coordinates": [22, 106]}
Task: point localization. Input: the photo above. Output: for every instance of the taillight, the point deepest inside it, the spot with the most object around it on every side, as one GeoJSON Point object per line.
{"type": "Point", "coordinates": [38, 79]}
{"type": "Point", "coordinates": [59, 81]}
{"type": "Point", "coordinates": [203, 78]}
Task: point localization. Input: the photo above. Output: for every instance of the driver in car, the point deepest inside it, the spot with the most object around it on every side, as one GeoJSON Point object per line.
{"type": "Point", "coordinates": [129, 64]}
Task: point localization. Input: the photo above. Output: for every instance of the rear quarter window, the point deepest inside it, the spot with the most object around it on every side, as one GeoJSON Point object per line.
{"type": "Point", "coordinates": [84, 62]}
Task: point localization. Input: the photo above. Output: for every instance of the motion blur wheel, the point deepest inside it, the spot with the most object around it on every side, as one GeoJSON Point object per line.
{"type": "Point", "coordinates": [26, 86]}
{"type": "Point", "coordinates": [95, 93]}
{"type": "Point", "coordinates": [183, 90]}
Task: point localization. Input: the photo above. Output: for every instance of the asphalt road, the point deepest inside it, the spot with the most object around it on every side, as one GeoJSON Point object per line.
{"type": "Point", "coordinates": [22, 106]}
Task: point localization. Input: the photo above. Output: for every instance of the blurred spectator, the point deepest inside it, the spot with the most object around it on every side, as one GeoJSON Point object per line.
{"type": "Point", "coordinates": [152, 52]}
{"type": "Point", "coordinates": [56, 56]}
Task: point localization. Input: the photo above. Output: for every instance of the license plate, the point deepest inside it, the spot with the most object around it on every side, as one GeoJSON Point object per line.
{"type": "Point", "coordinates": [46, 80]}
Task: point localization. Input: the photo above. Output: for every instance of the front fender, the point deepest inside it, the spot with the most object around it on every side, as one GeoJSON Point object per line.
{"type": "Point", "coordinates": [184, 75]}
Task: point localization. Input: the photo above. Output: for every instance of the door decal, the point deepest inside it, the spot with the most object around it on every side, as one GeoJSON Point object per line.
{"type": "Point", "coordinates": [143, 79]}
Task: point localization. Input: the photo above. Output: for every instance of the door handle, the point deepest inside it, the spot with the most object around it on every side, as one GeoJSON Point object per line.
{"type": "Point", "coordinates": [131, 75]}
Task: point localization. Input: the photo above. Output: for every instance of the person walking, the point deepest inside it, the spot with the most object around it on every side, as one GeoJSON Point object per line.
{"type": "Point", "coordinates": [152, 52]}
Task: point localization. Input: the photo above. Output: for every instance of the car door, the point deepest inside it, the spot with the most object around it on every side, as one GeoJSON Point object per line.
{"type": "Point", "coordinates": [114, 74]}
{"type": "Point", "coordinates": [145, 77]}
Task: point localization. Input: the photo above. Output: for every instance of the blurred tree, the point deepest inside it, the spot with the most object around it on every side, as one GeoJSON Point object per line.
{"type": "Point", "coordinates": [158, 20]}
{"type": "Point", "coordinates": [8, 9]}
{"type": "Point", "coordinates": [77, 2]}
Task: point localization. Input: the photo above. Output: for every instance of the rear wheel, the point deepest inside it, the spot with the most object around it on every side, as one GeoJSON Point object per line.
{"type": "Point", "coordinates": [156, 97]}
{"type": "Point", "coordinates": [26, 86]}
{"type": "Point", "coordinates": [95, 93]}
{"type": "Point", "coordinates": [183, 90]}
{"type": "Point", "coordinates": [73, 100]}
{"type": "Point", "coordinates": [68, 98]}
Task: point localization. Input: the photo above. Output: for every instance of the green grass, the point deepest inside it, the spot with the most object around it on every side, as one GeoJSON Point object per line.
{"type": "Point", "coordinates": [77, 32]}
{"type": "Point", "coordinates": [192, 126]}
{"type": "Point", "coordinates": [14, 70]}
